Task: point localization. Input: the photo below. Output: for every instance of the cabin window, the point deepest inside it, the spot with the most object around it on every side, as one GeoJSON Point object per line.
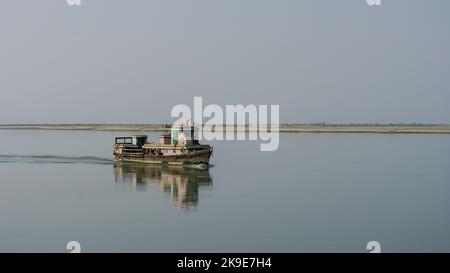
{"type": "Point", "coordinates": [123, 140]}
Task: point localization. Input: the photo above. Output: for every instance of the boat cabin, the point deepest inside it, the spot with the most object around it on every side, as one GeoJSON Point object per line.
{"type": "Point", "coordinates": [180, 135]}
{"type": "Point", "coordinates": [138, 140]}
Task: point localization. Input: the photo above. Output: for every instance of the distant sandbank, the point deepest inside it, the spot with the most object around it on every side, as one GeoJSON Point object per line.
{"type": "Point", "coordinates": [285, 128]}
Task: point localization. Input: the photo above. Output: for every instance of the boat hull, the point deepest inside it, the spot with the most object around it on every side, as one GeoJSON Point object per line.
{"type": "Point", "coordinates": [196, 160]}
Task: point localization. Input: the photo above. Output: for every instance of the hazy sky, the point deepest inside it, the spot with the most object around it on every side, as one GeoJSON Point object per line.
{"type": "Point", "coordinates": [119, 61]}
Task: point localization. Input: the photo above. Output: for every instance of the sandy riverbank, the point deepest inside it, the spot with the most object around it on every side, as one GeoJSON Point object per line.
{"type": "Point", "coordinates": [436, 129]}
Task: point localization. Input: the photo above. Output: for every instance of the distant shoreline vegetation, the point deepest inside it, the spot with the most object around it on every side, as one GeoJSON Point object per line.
{"type": "Point", "coordinates": [283, 128]}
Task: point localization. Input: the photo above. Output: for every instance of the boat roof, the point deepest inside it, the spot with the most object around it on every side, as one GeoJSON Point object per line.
{"type": "Point", "coordinates": [172, 146]}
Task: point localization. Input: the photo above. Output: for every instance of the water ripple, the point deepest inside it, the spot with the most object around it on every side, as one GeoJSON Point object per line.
{"type": "Point", "coordinates": [58, 159]}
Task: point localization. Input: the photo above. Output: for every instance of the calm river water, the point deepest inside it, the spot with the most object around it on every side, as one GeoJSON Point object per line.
{"type": "Point", "coordinates": [317, 192]}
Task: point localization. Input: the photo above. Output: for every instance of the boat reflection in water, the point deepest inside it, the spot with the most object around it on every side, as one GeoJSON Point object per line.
{"type": "Point", "coordinates": [182, 184]}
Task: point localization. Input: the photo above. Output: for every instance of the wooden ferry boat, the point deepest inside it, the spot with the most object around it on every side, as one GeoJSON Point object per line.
{"type": "Point", "coordinates": [180, 147]}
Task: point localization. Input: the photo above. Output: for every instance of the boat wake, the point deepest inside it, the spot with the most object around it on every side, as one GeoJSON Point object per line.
{"type": "Point", "coordinates": [54, 159]}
